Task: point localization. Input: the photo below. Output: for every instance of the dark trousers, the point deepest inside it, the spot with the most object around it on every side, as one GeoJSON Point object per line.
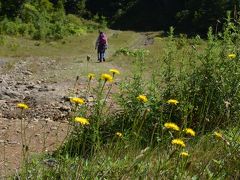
{"type": "Point", "coordinates": [101, 53]}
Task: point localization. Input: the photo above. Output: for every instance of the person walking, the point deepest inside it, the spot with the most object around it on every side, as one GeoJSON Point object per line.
{"type": "Point", "coordinates": [101, 46]}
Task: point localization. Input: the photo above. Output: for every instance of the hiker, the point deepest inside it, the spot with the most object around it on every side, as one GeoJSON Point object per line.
{"type": "Point", "coordinates": [101, 46]}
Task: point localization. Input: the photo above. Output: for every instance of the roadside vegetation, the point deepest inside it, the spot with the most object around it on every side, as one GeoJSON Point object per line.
{"type": "Point", "coordinates": [163, 106]}
{"type": "Point", "coordinates": [172, 116]}
{"type": "Point", "coordinates": [43, 20]}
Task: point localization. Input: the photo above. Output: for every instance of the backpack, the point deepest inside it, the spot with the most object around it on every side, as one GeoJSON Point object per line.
{"type": "Point", "coordinates": [102, 39]}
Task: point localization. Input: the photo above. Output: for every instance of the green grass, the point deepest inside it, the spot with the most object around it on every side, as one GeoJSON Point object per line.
{"type": "Point", "coordinates": [207, 160]}
{"type": "Point", "coordinates": [197, 73]}
{"type": "Point", "coordinates": [70, 47]}
{"type": "Point", "coordinates": [69, 54]}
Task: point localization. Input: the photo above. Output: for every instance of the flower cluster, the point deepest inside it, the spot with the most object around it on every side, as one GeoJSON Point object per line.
{"type": "Point", "coordinates": [184, 154]}
{"type": "Point", "coordinates": [189, 131]}
{"type": "Point", "coordinates": [232, 56]}
{"type": "Point", "coordinates": [119, 134]}
{"type": "Point", "coordinates": [218, 135]}
{"type": "Point", "coordinates": [172, 126]}
{"type": "Point", "coordinates": [172, 101]}
{"type": "Point", "coordinates": [83, 121]}
{"type": "Point", "coordinates": [91, 76]}
{"type": "Point", "coordinates": [77, 100]}
{"type": "Point", "coordinates": [179, 142]}
{"type": "Point", "coordinates": [142, 98]}
{"type": "Point", "coordinates": [107, 77]}
{"type": "Point", "coordinates": [22, 106]}
{"type": "Point", "coordinates": [114, 71]}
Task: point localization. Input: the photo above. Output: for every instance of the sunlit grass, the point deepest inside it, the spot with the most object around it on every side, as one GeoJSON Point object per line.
{"type": "Point", "coordinates": [140, 122]}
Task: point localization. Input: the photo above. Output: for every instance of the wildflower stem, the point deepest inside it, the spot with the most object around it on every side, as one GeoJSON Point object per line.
{"type": "Point", "coordinates": [88, 88]}
{"type": "Point", "coordinates": [143, 120]}
{"type": "Point", "coordinates": [102, 87]}
{"type": "Point", "coordinates": [105, 99]}
{"type": "Point", "coordinates": [154, 129]}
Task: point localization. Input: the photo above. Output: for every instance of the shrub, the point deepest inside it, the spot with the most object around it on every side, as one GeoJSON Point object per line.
{"type": "Point", "coordinates": [209, 89]}
{"type": "Point", "coordinates": [8, 27]}
{"type": "Point", "coordinates": [43, 21]}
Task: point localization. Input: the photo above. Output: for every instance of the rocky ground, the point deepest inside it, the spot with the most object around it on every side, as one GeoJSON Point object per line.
{"type": "Point", "coordinates": [45, 121]}
{"type": "Point", "coordinates": [47, 94]}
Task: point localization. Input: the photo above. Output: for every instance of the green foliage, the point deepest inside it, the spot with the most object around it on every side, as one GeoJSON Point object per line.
{"type": "Point", "coordinates": [210, 84]}
{"type": "Point", "coordinates": [137, 53]}
{"type": "Point", "coordinates": [10, 8]}
{"type": "Point", "coordinates": [187, 16]}
{"type": "Point", "coordinates": [2, 40]}
{"type": "Point", "coordinates": [9, 27]}
{"type": "Point", "coordinates": [41, 20]}
{"type": "Point", "coordinates": [202, 14]}
{"type": "Point", "coordinates": [127, 138]}
{"type": "Point", "coordinates": [204, 86]}
{"type": "Point", "coordinates": [217, 86]}
{"type": "Point", "coordinates": [120, 161]}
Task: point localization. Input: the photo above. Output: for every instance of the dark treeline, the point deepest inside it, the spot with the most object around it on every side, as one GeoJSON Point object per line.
{"type": "Point", "coordinates": [185, 15]}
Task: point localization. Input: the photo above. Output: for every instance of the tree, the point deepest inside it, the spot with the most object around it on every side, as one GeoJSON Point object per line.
{"type": "Point", "coordinates": [11, 8]}
{"type": "Point", "coordinates": [77, 7]}
{"type": "Point", "coordinates": [199, 15]}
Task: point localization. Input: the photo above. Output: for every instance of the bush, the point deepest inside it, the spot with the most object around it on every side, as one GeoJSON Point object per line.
{"type": "Point", "coordinates": [9, 27]}
{"type": "Point", "coordinates": [208, 88]}
{"type": "Point", "coordinates": [72, 19]}
{"type": "Point", "coordinates": [42, 21]}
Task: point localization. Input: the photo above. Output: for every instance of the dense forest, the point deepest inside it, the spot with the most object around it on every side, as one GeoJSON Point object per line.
{"type": "Point", "coordinates": [185, 15]}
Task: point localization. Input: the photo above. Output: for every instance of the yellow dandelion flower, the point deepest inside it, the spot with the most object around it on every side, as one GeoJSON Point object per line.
{"type": "Point", "coordinates": [172, 126]}
{"type": "Point", "coordinates": [81, 120]}
{"type": "Point", "coordinates": [119, 134]}
{"type": "Point", "coordinates": [77, 100]}
{"type": "Point", "coordinates": [142, 98]}
{"type": "Point", "coordinates": [189, 131]}
{"type": "Point", "coordinates": [218, 135]}
{"type": "Point", "coordinates": [107, 77]}
{"type": "Point", "coordinates": [114, 71]}
{"type": "Point", "coordinates": [22, 106]}
{"type": "Point", "coordinates": [172, 101]}
{"type": "Point", "coordinates": [184, 154]}
{"type": "Point", "coordinates": [91, 76]}
{"type": "Point", "coordinates": [232, 56]}
{"type": "Point", "coordinates": [178, 142]}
